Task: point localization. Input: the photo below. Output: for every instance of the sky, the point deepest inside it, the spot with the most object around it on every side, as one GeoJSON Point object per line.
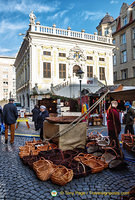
{"type": "Point", "coordinates": [78, 14]}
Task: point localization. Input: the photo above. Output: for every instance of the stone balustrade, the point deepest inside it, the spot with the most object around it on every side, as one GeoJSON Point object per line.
{"type": "Point", "coordinates": [71, 34]}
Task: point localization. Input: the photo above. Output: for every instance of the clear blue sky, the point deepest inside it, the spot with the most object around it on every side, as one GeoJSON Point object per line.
{"type": "Point", "coordinates": [78, 14]}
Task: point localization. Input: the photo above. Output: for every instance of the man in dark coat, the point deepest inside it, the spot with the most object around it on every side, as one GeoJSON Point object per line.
{"type": "Point", "coordinates": [129, 118]}
{"type": "Point", "coordinates": [35, 112]}
{"type": "Point", "coordinates": [41, 117]}
{"type": "Point", "coordinates": [113, 123]}
{"type": "Point", "coordinates": [10, 115]}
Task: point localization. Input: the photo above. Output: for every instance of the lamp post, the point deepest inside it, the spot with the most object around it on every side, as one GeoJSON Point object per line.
{"type": "Point", "coordinates": [80, 76]}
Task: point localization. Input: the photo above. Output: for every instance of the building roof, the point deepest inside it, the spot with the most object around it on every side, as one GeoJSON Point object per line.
{"type": "Point", "coordinates": [107, 19]}
{"type": "Point", "coordinates": [110, 87]}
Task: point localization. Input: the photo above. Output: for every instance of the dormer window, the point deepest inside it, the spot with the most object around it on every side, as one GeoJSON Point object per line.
{"type": "Point", "coordinates": [124, 20]}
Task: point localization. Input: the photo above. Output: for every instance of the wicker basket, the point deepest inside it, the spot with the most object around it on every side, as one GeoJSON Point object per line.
{"type": "Point", "coordinates": [38, 164]}
{"type": "Point", "coordinates": [24, 153]}
{"type": "Point", "coordinates": [35, 152]}
{"type": "Point", "coordinates": [45, 172]}
{"type": "Point", "coordinates": [80, 157]}
{"type": "Point", "coordinates": [79, 169]}
{"type": "Point", "coordinates": [61, 175]}
{"type": "Point", "coordinates": [94, 165]}
{"type": "Point", "coordinates": [25, 148]}
{"type": "Point", "coordinates": [46, 147]}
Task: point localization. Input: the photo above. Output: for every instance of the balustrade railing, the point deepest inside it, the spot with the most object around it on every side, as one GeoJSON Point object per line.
{"type": "Point", "coordinates": [69, 33]}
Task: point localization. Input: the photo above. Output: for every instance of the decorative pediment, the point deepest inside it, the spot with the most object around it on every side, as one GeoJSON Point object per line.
{"type": "Point", "coordinates": [76, 54]}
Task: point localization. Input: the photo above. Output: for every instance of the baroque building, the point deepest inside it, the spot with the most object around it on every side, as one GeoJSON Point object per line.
{"type": "Point", "coordinates": [7, 78]}
{"type": "Point", "coordinates": [123, 33]}
{"type": "Point", "coordinates": [49, 59]}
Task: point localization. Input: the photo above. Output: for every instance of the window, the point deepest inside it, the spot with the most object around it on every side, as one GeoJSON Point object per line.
{"type": "Point", "coordinates": [124, 20]}
{"type": "Point", "coordinates": [101, 59]}
{"type": "Point", "coordinates": [114, 42]}
{"type": "Point", "coordinates": [106, 31]}
{"type": "Point", "coordinates": [5, 69]}
{"type": "Point", "coordinates": [114, 60]}
{"type": "Point", "coordinates": [123, 38]}
{"type": "Point", "coordinates": [62, 55]}
{"type": "Point", "coordinates": [46, 70]}
{"type": "Point", "coordinates": [62, 70]}
{"type": "Point", "coordinates": [115, 76]}
{"type": "Point", "coordinates": [133, 33]}
{"type": "Point", "coordinates": [89, 58]}
{"type": "Point", "coordinates": [113, 29]}
{"type": "Point", "coordinates": [124, 74]}
{"type": "Point", "coordinates": [46, 53]}
{"type": "Point", "coordinates": [123, 56]}
{"type": "Point", "coordinates": [102, 73]}
{"type": "Point", "coordinates": [133, 52]}
{"type": "Point", "coordinates": [5, 90]}
{"type": "Point", "coordinates": [5, 76]}
{"type": "Point", "coordinates": [89, 71]}
{"type": "Point", "coordinates": [133, 71]}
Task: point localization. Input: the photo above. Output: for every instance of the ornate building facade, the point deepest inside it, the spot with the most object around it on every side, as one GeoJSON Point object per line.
{"type": "Point", "coordinates": [123, 33]}
{"type": "Point", "coordinates": [7, 78]}
{"type": "Point", "coordinates": [49, 58]}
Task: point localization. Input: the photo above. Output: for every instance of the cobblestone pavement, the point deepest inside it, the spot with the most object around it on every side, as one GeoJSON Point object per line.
{"type": "Point", "coordinates": [19, 182]}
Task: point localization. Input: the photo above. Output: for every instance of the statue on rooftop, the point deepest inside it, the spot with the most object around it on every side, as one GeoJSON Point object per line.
{"type": "Point", "coordinates": [32, 18]}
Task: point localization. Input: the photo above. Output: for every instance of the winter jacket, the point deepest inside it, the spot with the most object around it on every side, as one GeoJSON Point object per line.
{"type": "Point", "coordinates": [35, 112]}
{"type": "Point", "coordinates": [10, 114]}
{"type": "Point", "coordinates": [41, 117]}
{"type": "Point", "coordinates": [110, 123]}
{"type": "Point", "coordinates": [129, 116]}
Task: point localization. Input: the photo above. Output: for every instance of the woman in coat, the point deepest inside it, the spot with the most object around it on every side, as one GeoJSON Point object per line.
{"type": "Point", "coordinates": [113, 123]}
{"type": "Point", "coordinates": [40, 119]}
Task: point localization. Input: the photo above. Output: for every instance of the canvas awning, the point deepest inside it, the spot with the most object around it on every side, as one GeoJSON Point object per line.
{"type": "Point", "coordinates": [127, 95]}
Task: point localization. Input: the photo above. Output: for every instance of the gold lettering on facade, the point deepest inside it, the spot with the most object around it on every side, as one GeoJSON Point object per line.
{"type": "Point", "coordinates": [46, 58]}
{"type": "Point", "coordinates": [62, 59]}
{"type": "Point", "coordinates": [101, 63]}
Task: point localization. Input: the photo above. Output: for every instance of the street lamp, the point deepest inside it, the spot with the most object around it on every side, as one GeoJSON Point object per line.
{"type": "Point", "coordinates": [80, 73]}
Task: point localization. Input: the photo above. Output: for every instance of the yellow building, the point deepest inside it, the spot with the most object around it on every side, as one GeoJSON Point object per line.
{"type": "Point", "coordinates": [49, 58]}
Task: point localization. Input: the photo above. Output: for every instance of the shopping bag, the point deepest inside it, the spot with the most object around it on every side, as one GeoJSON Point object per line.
{"type": "Point", "coordinates": [2, 129]}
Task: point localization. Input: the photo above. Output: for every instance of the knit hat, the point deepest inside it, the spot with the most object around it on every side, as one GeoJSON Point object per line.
{"type": "Point", "coordinates": [42, 107]}
{"type": "Point", "coordinates": [127, 104]}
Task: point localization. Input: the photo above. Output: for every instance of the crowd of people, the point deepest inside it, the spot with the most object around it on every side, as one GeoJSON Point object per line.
{"type": "Point", "coordinates": [9, 115]}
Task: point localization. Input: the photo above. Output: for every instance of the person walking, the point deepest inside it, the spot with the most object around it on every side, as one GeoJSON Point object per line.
{"type": "Point", "coordinates": [10, 115]}
{"type": "Point", "coordinates": [35, 112]}
{"type": "Point", "coordinates": [129, 118]}
{"type": "Point", "coordinates": [113, 123]}
{"type": "Point", "coordinates": [40, 119]}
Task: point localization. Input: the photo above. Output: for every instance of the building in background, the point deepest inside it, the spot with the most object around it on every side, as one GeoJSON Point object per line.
{"type": "Point", "coordinates": [123, 32]}
{"type": "Point", "coordinates": [7, 79]}
{"type": "Point", "coordinates": [49, 59]}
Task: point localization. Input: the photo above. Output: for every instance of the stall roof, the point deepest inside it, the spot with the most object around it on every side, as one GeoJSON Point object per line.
{"type": "Point", "coordinates": [127, 94]}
